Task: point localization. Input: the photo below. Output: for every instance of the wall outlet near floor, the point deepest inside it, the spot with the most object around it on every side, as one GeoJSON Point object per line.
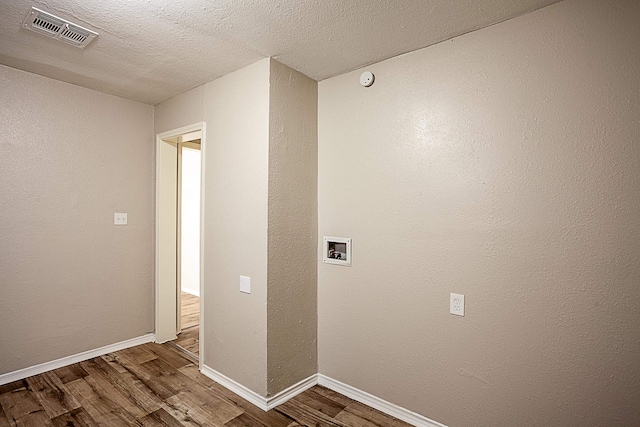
{"type": "Point", "coordinates": [245, 284]}
{"type": "Point", "coordinates": [456, 304]}
{"type": "Point", "coordinates": [119, 218]}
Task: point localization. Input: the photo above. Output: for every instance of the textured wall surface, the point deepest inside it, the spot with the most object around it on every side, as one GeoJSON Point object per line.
{"type": "Point", "coordinates": [182, 110]}
{"type": "Point", "coordinates": [504, 165]}
{"type": "Point", "coordinates": [70, 280]}
{"type": "Point", "coordinates": [293, 228]}
{"type": "Point", "coordinates": [236, 110]}
{"type": "Point", "coordinates": [260, 221]}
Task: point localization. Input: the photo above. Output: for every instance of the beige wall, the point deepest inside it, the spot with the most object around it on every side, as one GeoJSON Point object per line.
{"type": "Point", "coordinates": [182, 110]}
{"type": "Point", "coordinates": [71, 281]}
{"type": "Point", "coordinates": [260, 211]}
{"type": "Point", "coordinates": [236, 110]}
{"type": "Point", "coordinates": [293, 228]}
{"type": "Point", "coordinates": [504, 165]}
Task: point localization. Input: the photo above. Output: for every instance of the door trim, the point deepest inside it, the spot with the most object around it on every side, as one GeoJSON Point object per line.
{"type": "Point", "coordinates": [163, 331]}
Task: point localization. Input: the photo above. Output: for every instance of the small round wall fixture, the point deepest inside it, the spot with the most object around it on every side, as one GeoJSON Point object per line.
{"type": "Point", "coordinates": [367, 78]}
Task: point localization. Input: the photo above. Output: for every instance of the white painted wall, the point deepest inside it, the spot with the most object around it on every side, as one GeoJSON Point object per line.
{"type": "Point", "coordinates": [190, 222]}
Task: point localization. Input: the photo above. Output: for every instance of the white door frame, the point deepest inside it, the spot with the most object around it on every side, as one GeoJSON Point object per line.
{"type": "Point", "coordinates": [165, 275]}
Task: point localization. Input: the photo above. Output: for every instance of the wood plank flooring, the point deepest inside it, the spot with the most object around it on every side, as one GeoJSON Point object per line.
{"type": "Point", "coordinates": [188, 338]}
{"type": "Point", "coordinates": [189, 310]}
{"type": "Point", "coordinates": [155, 385]}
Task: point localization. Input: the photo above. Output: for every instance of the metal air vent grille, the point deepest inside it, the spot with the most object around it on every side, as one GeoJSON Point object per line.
{"type": "Point", "coordinates": [74, 35]}
{"type": "Point", "coordinates": [52, 26]}
{"type": "Point", "coordinates": [48, 24]}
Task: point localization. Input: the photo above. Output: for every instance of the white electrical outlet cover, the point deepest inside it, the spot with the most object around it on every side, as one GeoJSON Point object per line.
{"type": "Point", "coordinates": [456, 304]}
{"type": "Point", "coordinates": [245, 284]}
{"type": "Point", "coordinates": [120, 218]}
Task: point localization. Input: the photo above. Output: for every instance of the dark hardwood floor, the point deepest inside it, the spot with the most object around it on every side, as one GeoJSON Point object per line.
{"type": "Point", "coordinates": [156, 385]}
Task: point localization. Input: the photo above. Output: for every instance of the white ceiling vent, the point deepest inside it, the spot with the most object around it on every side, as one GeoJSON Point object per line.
{"type": "Point", "coordinates": [58, 28]}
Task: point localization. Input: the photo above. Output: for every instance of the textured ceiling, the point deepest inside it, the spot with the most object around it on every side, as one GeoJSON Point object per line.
{"type": "Point", "coordinates": [152, 50]}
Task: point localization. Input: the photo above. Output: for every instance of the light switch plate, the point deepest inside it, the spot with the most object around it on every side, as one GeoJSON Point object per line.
{"type": "Point", "coordinates": [456, 304]}
{"type": "Point", "coordinates": [119, 218]}
{"type": "Point", "coordinates": [245, 284]}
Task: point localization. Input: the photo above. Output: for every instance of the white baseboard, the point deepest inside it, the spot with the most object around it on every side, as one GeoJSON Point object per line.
{"type": "Point", "coordinates": [261, 402]}
{"type": "Point", "coordinates": [235, 387]}
{"type": "Point", "coordinates": [293, 391]}
{"type": "Point", "coordinates": [377, 403]}
{"type": "Point", "coordinates": [267, 404]}
{"type": "Point", "coordinates": [75, 358]}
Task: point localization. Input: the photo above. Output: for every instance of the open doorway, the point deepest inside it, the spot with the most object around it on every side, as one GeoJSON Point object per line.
{"type": "Point", "coordinates": [188, 316]}
{"type": "Point", "coordinates": [179, 212]}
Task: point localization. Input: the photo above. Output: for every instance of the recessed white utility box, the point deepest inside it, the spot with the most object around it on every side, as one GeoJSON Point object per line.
{"type": "Point", "coordinates": [337, 250]}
